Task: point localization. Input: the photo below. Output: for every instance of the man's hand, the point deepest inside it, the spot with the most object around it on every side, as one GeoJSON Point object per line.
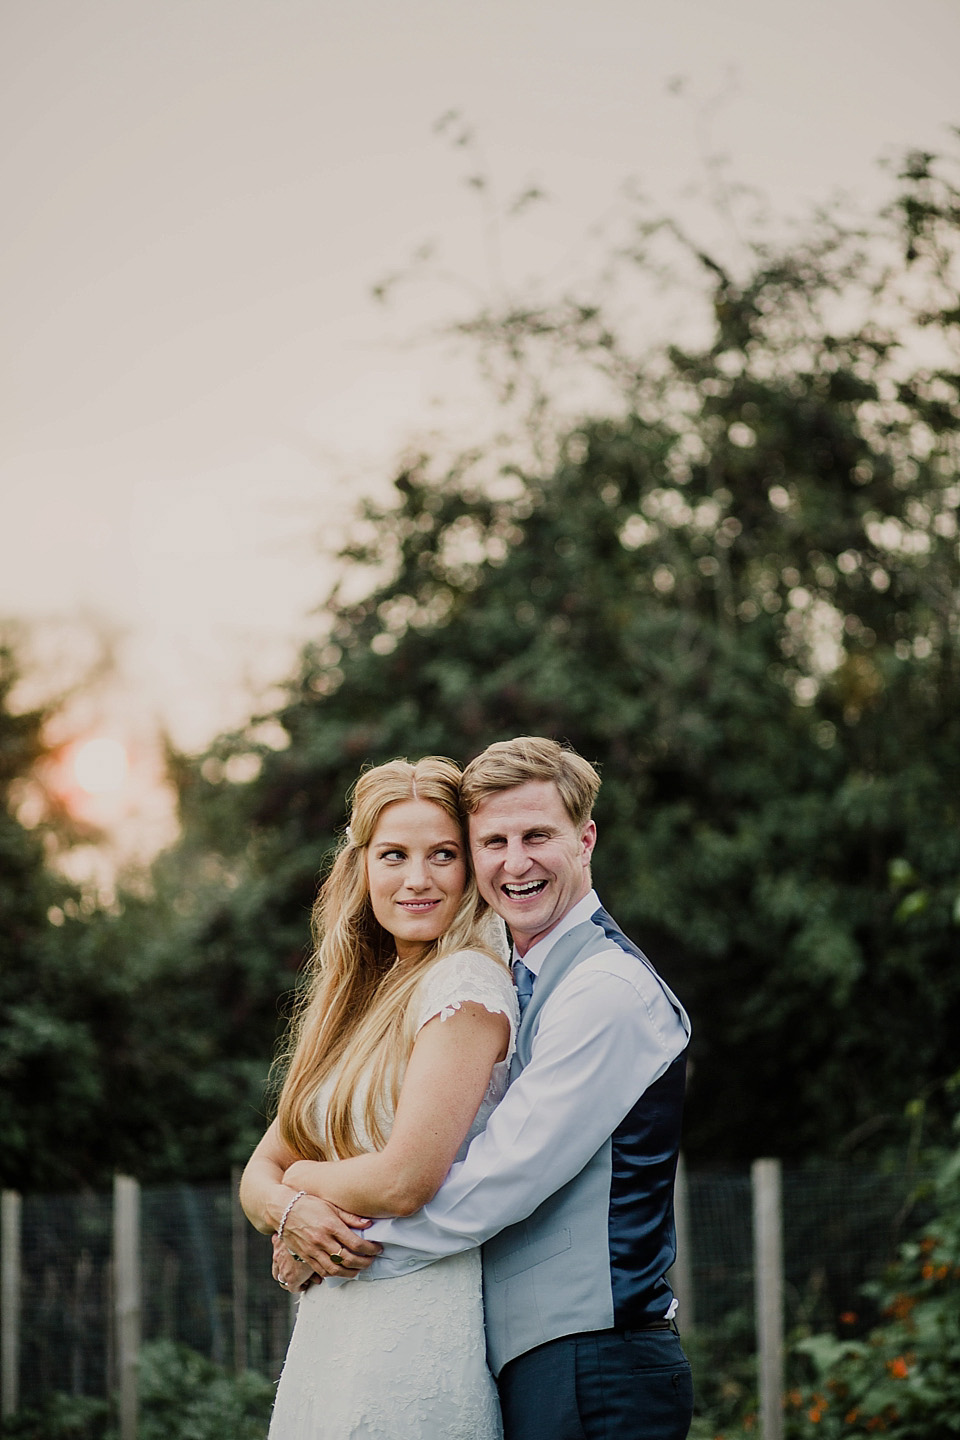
{"type": "Point", "coordinates": [292, 1274]}
{"type": "Point", "coordinates": [315, 1231]}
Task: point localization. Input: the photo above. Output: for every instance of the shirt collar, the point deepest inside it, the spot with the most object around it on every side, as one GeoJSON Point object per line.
{"type": "Point", "coordinates": [576, 915]}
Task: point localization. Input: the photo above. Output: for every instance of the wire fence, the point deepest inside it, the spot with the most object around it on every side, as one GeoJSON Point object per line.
{"type": "Point", "coordinates": [205, 1277]}
{"type": "Point", "coordinates": [840, 1226]}
{"type": "Point", "coordinates": [205, 1281]}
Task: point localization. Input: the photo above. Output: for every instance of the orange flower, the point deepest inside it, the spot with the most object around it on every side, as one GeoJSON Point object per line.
{"type": "Point", "coordinates": [927, 1272]}
{"type": "Point", "coordinates": [851, 1417]}
{"type": "Point", "coordinates": [795, 1398]}
{"type": "Point", "coordinates": [901, 1307]}
{"type": "Point", "coordinates": [849, 1317]}
{"type": "Point", "coordinates": [898, 1368]}
{"type": "Point", "coordinates": [927, 1244]}
{"type": "Point", "coordinates": [814, 1414]}
{"type": "Point", "coordinates": [942, 1272]}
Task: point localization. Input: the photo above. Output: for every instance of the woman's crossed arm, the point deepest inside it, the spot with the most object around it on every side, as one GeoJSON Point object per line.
{"type": "Point", "coordinates": [445, 1081]}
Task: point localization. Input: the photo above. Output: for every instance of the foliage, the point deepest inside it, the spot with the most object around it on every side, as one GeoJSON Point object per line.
{"type": "Point", "coordinates": [100, 1013]}
{"type": "Point", "coordinates": [183, 1396]}
{"type": "Point", "coordinates": [724, 1373]}
{"type": "Point", "coordinates": [61, 1417]}
{"type": "Point", "coordinates": [734, 587]}
{"type": "Point", "coordinates": [50, 1085]}
{"type": "Point", "coordinates": [739, 596]}
{"type": "Point", "coordinates": [902, 1379]}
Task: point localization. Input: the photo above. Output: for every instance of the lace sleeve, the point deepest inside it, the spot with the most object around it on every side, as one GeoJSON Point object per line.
{"type": "Point", "coordinates": [467, 975]}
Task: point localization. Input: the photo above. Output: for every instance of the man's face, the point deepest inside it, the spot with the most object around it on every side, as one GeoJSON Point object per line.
{"type": "Point", "coordinates": [531, 862]}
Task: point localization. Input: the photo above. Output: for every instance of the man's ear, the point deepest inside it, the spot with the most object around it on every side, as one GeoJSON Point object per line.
{"type": "Point", "coordinates": [587, 841]}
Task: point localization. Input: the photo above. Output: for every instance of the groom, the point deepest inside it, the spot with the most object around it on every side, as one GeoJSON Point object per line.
{"type": "Point", "coordinates": [570, 1185]}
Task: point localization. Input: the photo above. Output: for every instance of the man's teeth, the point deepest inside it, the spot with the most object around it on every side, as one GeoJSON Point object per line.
{"type": "Point", "coordinates": [531, 888]}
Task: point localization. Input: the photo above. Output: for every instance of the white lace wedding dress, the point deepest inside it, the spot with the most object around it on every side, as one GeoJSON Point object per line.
{"type": "Point", "coordinates": [403, 1358]}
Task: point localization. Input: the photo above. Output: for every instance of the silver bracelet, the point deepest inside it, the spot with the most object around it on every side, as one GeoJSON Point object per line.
{"type": "Point", "coordinates": [283, 1218]}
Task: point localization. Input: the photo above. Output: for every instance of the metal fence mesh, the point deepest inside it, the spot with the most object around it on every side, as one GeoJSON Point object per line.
{"type": "Point", "coordinates": [206, 1283]}
{"type": "Point", "coordinates": [841, 1227]}
{"type": "Point", "coordinates": [65, 1314]}
{"type": "Point", "coordinates": [206, 1277]}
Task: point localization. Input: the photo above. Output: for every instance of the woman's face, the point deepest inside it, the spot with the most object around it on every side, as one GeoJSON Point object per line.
{"type": "Point", "coordinates": [416, 873]}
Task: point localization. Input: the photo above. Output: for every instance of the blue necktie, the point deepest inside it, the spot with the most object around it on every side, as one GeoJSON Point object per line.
{"type": "Point", "coordinates": [523, 979]}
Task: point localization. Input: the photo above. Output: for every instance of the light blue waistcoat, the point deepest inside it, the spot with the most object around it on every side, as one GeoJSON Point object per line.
{"type": "Point", "coordinates": [595, 1254]}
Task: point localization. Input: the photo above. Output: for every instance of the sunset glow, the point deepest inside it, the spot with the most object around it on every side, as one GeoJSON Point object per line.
{"type": "Point", "coordinates": [100, 766]}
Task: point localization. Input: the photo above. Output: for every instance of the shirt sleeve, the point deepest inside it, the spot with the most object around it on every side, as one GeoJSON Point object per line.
{"type": "Point", "coordinates": [606, 1034]}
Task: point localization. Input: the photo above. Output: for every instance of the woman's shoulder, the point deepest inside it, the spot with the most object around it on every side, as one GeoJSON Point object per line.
{"type": "Point", "coordinates": [465, 975]}
{"type": "Point", "coordinates": [467, 961]}
{"type": "Point", "coordinates": [466, 966]}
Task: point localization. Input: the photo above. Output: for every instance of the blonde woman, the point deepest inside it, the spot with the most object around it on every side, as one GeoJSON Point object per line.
{"type": "Point", "coordinates": [400, 1052]}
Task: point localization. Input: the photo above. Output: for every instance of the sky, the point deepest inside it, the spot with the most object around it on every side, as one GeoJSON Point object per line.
{"type": "Point", "coordinates": [195, 384]}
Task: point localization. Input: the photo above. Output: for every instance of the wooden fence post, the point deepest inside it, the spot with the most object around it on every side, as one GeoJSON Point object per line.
{"type": "Point", "coordinates": [126, 1297]}
{"type": "Point", "coordinates": [768, 1293]}
{"type": "Point", "coordinates": [10, 1302]}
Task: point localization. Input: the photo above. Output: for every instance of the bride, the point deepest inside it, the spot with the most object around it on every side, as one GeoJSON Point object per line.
{"type": "Point", "coordinates": [398, 1055]}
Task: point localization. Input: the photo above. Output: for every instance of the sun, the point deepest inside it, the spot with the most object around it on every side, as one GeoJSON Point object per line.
{"type": "Point", "coordinates": [100, 766]}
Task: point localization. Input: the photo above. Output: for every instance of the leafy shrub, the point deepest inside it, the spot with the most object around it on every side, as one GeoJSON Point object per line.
{"type": "Point", "coordinates": [183, 1396]}
{"type": "Point", "coordinates": [724, 1370]}
{"type": "Point", "coordinates": [902, 1380]}
{"type": "Point", "coordinates": [62, 1417]}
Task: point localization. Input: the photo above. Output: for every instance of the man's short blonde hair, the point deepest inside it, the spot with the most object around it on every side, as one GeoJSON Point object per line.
{"type": "Point", "coordinates": [509, 763]}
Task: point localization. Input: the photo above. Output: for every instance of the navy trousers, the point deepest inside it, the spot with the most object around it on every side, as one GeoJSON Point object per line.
{"type": "Point", "coordinates": [602, 1385]}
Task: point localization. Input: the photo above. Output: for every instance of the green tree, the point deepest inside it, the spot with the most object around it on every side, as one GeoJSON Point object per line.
{"type": "Point", "coordinates": [102, 1013]}
{"type": "Point", "coordinates": [51, 1088]}
{"type": "Point", "coordinates": [739, 596]}
{"type": "Point", "coordinates": [736, 591]}
{"type": "Point", "coordinates": [111, 1054]}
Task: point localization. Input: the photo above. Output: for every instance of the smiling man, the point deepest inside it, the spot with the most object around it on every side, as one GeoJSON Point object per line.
{"type": "Point", "coordinates": [571, 1183]}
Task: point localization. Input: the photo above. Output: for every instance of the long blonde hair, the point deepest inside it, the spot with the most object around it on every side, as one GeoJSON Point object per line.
{"type": "Point", "coordinates": [353, 1014]}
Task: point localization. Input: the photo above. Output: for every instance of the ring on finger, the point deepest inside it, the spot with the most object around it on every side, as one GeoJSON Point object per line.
{"type": "Point", "coordinates": [338, 1259]}
{"type": "Point", "coordinates": [299, 1258]}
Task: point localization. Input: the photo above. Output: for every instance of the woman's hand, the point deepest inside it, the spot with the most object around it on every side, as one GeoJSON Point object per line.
{"type": "Point", "coordinates": [313, 1229]}
{"type": "Point", "coordinates": [316, 1231]}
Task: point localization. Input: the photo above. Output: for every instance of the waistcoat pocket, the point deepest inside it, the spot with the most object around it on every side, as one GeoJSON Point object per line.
{"type": "Point", "coordinates": [526, 1256]}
